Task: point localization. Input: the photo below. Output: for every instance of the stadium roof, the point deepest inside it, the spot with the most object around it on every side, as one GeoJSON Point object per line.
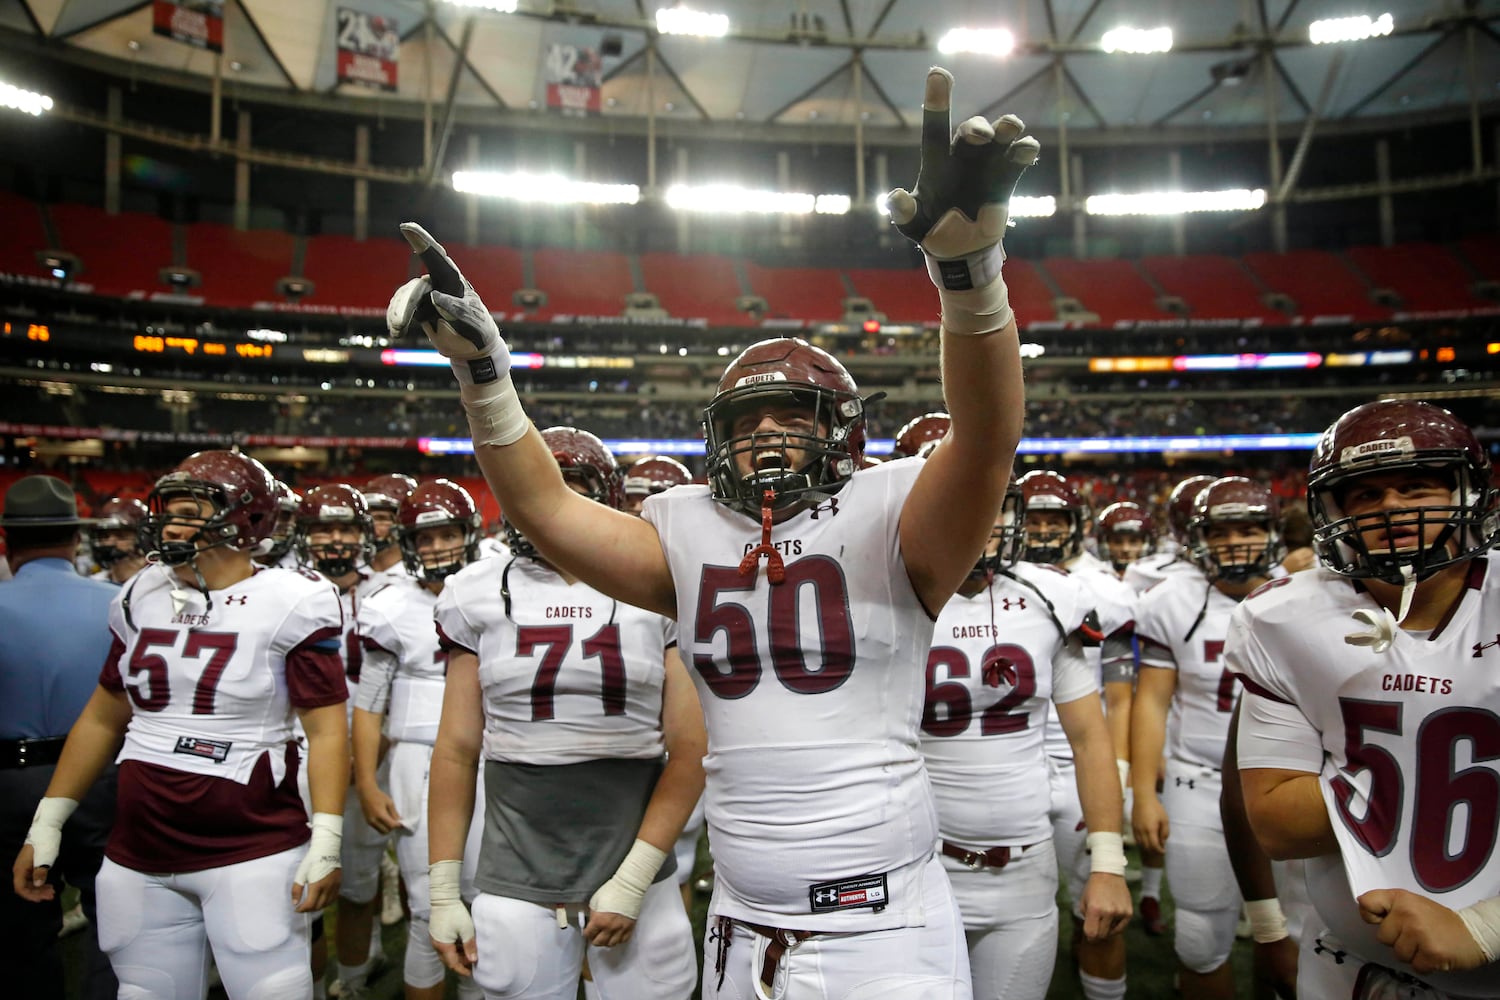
{"type": "Point", "coordinates": [819, 63]}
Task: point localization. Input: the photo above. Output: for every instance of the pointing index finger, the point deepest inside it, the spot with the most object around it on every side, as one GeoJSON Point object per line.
{"type": "Point", "coordinates": [936, 130]}
{"type": "Point", "coordinates": [440, 267]}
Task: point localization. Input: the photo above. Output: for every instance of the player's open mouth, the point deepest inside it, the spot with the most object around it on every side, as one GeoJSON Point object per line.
{"type": "Point", "coordinates": [765, 460]}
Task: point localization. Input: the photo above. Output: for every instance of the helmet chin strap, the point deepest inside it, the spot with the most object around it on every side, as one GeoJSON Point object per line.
{"type": "Point", "coordinates": [1380, 624]}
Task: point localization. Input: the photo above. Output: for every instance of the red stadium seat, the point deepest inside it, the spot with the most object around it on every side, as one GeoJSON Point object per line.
{"type": "Point", "coordinates": [1030, 297]}
{"type": "Point", "coordinates": [24, 236]}
{"type": "Point", "coordinates": [694, 286]}
{"type": "Point", "coordinates": [1213, 287]}
{"type": "Point", "coordinates": [1483, 254]}
{"type": "Point", "coordinates": [495, 272]}
{"type": "Point", "coordinates": [1111, 288]}
{"type": "Point", "coordinates": [1318, 283]}
{"type": "Point", "coordinates": [808, 293]}
{"type": "Point", "coordinates": [352, 274]}
{"type": "Point", "coordinates": [583, 282]}
{"type": "Point", "coordinates": [121, 254]}
{"type": "Point", "coordinates": [1425, 275]}
{"type": "Point", "coordinates": [238, 269]}
{"type": "Point", "coordinates": [904, 295]}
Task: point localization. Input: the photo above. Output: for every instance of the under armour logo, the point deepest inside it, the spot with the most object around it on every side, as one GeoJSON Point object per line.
{"type": "Point", "coordinates": [1337, 953]}
{"type": "Point", "coordinates": [827, 896]}
{"type": "Point", "coordinates": [1019, 602]}
{"type": "Point", "coordinates": [997, 670]}
{"type": "Point", "coordinates": [1480, 647]}
{"type": "Point", "coordinates": [1185, 781]}
{"type": "Point", "coordinates": [242, 598]}
{"type": "Point", "coordinates": [832, 506]}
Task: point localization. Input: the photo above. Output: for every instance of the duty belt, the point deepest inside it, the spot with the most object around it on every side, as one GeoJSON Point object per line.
{"type": "Point", "coordinates": [30, 753]}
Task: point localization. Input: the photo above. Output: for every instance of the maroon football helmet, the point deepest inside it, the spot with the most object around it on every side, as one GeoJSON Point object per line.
{"type": "Point", "coordinates": [280, 542]}
{"type": "Point", "coordinates": [433, 504]}
{"type": "Point", "coordinates": [1235, 500]}
{"type": "Point", "coordinates": [334, 504]}
{"type": "Point", "coordinates": [1125, 532]}
{"type": "Point", "coordinates": [240, 492]}
{"type": "Point", "coordinates": [116, 516]}
{"type": "Point", "coordinates": [585, 461]}
{"type": "Point", "coordinates": [1400, 436]}
{"type": "Point", "coordinates": [921, 434]}
{"type": "Point", "coordinates": [1008, 534]}
{"type": "Point", "coordinates": [802, 375]}
{"type": "Point", "coordinates": [1045, 490]}
{"type": "Point", "coordinates": [1180, 505]}
{"type": "Point", "coordinates": [654, 474]}
{"type": "Point", "coordinates": [384, 495]}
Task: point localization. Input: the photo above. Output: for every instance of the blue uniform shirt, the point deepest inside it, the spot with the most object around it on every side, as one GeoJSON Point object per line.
{"type": "Point", "coordinates": [54, 636]}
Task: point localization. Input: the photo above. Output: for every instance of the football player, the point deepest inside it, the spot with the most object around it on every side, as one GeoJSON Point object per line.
{"type": "Point", "coordinates": [1009, 644]}
{"type": "Point", "coordinates": [277, 550]}
{"type": "Point", "coordinates": [1371, 720]}
{"type": "Point", "coordinates": [333, 534]}
{"type": "Point", "coordinates": [570, 699]}
{"type": "Point", "coordinates": [1125, 533]}
{"type": "Point", "coordinates": [401, 686]}
{"type": "Point", "coordinates": [384, 496]}
{"type": "Point", "coordinates": [805, 593]}
{"type": "Point", "coordinates": [1143, 574]}
{"type": "Point", "coordinates": [919, 435]}
{"type": "Point", "coordinates": [212, 659]}
{"type": "Point", "coordinates": [651, 475]}
{"type": "Point", "coordinates": [1052, 535]}
{"type": "Point", "coordinates": [115, 539]}
{"type": "Point", "coordinates": [1181, 625]}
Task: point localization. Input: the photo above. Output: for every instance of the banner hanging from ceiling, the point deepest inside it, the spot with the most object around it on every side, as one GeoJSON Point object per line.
{"type": "Point", "coordinates": [574, 75]}
{"type": "Point", "coordinates": [369, 46]}
{"type": "Point", "coordinates": [199, 23]}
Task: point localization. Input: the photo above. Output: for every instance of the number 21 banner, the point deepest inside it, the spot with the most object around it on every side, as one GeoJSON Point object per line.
{"type": "Point", "coordinates": [369, 46]}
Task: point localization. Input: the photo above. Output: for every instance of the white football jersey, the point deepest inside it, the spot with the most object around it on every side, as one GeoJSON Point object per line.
{"type": "Point", "coordinates": [569, 674]}
{"type": "Point", "coordinates": [398, 618]}
{"type": "Point", "coordinates": [1406, 744]}
{"type": "Point", "coordinates": [1148, 571]}
{"type": "Point", "coordinates": [1206, 689]}
{"type": "Point", "coordinates": [208, 683]}
{"type": "Point", "coordinates": [350, 600]}
{"type": "Point", "coordinates": [812, 695]}
{"type": "Point", "coordinates": [990, 682]}
{"type": "Point", "coordinates": [1114, 608]}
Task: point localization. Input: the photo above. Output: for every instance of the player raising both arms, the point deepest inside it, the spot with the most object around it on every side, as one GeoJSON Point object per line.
{"type": "Point", "coordinates": [804, 592]}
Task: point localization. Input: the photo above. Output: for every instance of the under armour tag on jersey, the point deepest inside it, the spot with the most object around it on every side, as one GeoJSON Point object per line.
{"type": "Point", "coordinates": [850, 894]}
{"type": "Point", "coordinates": [199, 747]}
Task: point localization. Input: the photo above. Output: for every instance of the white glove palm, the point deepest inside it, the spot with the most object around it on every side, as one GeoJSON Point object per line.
{"type": "Point", "coordinates": [450, 922]}
{"type": "Point", "coordinates": [322, 857]}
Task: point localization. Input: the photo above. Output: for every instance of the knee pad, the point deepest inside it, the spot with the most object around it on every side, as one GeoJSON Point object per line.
{"type": "Point", "coordinates": [1201, 941]}
{"type": "Point", "coordinates": [423, 967]}
{"type": "Point", "coordinates": [293, 982]}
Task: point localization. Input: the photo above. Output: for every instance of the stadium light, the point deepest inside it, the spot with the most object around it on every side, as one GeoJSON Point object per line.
{"type": "Point", "coordinates": [1022, 206]}
{"type": "Point", "coordinates": [1137, 41]}
{"type": "Point", "coordinates": [684, 21]}
{"type": "Point", "coordinates": [545, 188]}
{"type": "Point", "coordinates": [979, 41]}
{"type": "Point", "coordinates": [1350, 29]}
{"type": "Point", "coordinates": [24, 100]}
{"type": "Point", "coordinates": [498, 6]}
{"type": "Point", "coordinates": [1175, 202]}
{"type": "Point", "coordinates": [730, 199]}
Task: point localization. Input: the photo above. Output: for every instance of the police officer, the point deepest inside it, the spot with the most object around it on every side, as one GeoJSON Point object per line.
{"type": "Point", "coordinates": [54, 637]}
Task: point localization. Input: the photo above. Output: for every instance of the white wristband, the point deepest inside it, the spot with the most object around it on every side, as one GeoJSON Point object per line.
{"type": "Point", "coordinates": [323, 850]}
{"type": "Point", "coordinates": [1267, 922]}
{"type": "Point", "coordinates": [1124, 768]}
{"type": "Point", "coordinates": [493, 408]}
{"type": "Point", "coordinates": [444, 881]}
{"type": "Point", "coordinates": [983, 310]}
{"type": "Point", "coordinates": [1106, 853]}
{"type": "Point", "coordinates": [1483, 921]}
{"type": "Point", "coordinates": [45, 835]}
{"type": "Point", "coordinates": [623, 893]}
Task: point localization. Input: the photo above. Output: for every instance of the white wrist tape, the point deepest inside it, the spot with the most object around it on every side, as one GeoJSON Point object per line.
{"type": "Point", "coordinates": [1106, 853]}
{"type": "Point", "coordinates": [1267, 922]}
{"type": "Point", "coordinates": [971, 291]}
{"type": "Point", "coordinates": [450, 921]}
{"type": "Point", "coordinates": [45, 835]}
{"type": "Point", "coordinates": [493, 408]}
{"type": "Point", "coordinates": [1483, 921]}
{"type": "Point", "coordinates": [322, 857]}
{"type": "Point", "coordinates": [623, 893]}
{"type": "Point", "coordinates": [1124, 768]}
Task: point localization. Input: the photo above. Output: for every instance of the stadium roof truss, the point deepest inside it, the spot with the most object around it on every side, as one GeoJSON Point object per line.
{"type": "Point", "coordinates": [825, 71]}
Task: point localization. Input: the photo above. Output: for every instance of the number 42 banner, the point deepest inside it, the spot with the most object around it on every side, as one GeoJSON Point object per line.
{"type": "Point", "coordinates": [369, 46]}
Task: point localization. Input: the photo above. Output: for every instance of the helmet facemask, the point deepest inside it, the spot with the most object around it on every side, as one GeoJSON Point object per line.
{"type": "Point", "coordinates": [1006, 537]}
{"type": "Point", "coordinates": [334, 557]}
{"type": "Point", "coordinates": [822, 432]}
{"type": "Point", "coordinates": [1054, 547]}
{"type": "Point", "coordinates": [211, 531]}
{"type": "Point", "coordinates": [437, 564]}
{"type": "Point", "coordinates": [1235, 563]}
